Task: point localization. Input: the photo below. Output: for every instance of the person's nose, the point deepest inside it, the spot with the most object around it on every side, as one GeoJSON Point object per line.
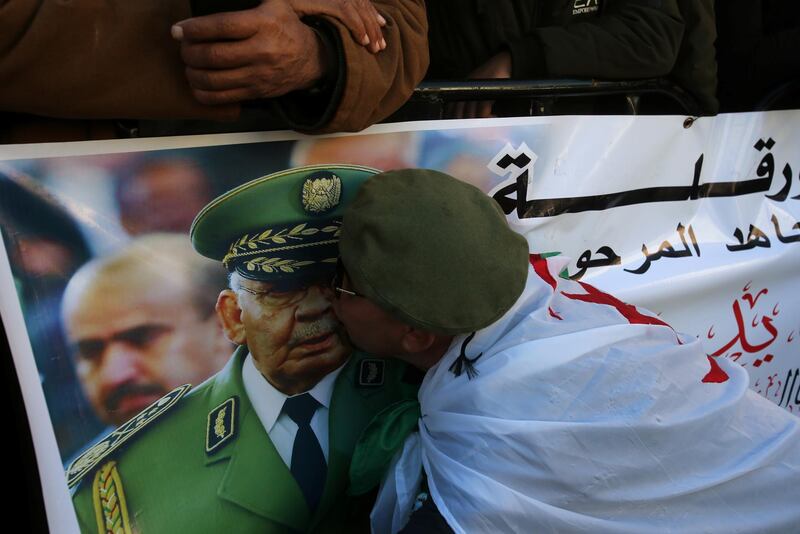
{"type": "Point", "coordinates": [121, 365]}
{"type": "Point", "coordinates": [316, 302]}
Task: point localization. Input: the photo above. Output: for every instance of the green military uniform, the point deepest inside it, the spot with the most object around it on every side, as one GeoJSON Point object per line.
{"type": "Point", "coordinates": [201, 460]}
{"type": "Point", "coordinates": [168, 482]}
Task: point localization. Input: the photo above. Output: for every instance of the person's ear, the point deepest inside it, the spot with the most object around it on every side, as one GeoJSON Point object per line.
{"type": "Point", "coordinates": [415, 340]}
{"type": "Point", "coordinates": [230, 315]}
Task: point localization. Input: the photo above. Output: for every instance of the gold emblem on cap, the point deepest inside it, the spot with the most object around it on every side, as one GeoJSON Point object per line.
{"type": "Point", "coordinates": [321, 194]}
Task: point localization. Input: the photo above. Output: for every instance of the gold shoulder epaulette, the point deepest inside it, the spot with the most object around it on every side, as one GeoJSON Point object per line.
{"type": "Point", "coordinates": [87, 461]}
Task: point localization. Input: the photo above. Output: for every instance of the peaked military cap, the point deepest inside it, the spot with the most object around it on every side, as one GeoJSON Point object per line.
{"type": "Point", "coordinates": [283, 225]}
{"type": "Point", "coordinates": [435, 252]}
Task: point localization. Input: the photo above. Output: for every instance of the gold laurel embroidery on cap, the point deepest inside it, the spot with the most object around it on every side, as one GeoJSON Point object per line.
{"type": "Point", "coordinates": [248, 245]}
{"type": "Point", "coordinates": [111, 509]}
{"type": "Point", "coordinates": [219, 424]}
{"type": "Point", "coordinates": [273, 265]}
{"type": "Point", "coordinates": [321, 194]}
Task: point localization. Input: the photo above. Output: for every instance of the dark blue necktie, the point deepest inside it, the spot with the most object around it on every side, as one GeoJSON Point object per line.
{"type": "Point", "coordinates": [308, 463]}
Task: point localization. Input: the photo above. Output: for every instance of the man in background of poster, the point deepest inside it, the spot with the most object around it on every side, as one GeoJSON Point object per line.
{"type": "Point", "coordinates": [162, 195]}
{"type": "Point", "coordinates": [141, 322]}
{"type": "Point", "coordinates": [265, 444]}
{"type": "Point", "coordinates": [381, 151]}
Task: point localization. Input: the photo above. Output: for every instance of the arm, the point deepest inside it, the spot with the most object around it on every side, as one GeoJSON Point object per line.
{"type": "Point", "coordinates": [319, 78]}
{"type": "Point", "coordinates": [367, 87]}
{"type": "Point", "coordinates": [96, 60]}
{"type": "Point", "coordinates": [377, 85]}
{"type": "Point", "coordinates": [360, 17]}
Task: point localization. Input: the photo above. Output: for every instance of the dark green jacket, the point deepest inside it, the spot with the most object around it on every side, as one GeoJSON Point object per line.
{"type": "Point", "coordinates": [604, 39]}
{"type": "Point", "coordinates": [170, 483]}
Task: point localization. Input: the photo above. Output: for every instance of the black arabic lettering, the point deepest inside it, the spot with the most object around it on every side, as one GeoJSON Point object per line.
{"type": "Point", "coordinates": [782, 238]}
{"type": "Point", "coordinates": [781, 195]}
{"type": "Point", "coordinates": [508, 204]}
{"type": "Point", "coordinates": [522, 162]}
{"type": "Point", "coordinates": [648, 258]}
{"type": "Point", "coordinates": [671, 253]}
{"type": "Point", "coordinates": [585, 261]}
{"type": "Point", "coordinates": [765, 171]}
{"type": "Point", "coordinates": [755, 238]}
{"type": "Point", "coordinates": [550, 207]}
{"type": "Point", "coordinates": [766, 167]}
{"type": "Point", "coordinates": [788, 387]}
{"type": "Point", "coordinates": [666, 250]}
{"type": "Point", "coordinates": [694, 240]}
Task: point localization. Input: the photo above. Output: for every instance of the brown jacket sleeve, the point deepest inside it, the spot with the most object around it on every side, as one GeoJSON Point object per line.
{"type": "Point", "coordinates": [96, 59]}
{"type": "Point", "coordinates": [116, 59]}
{"type": "Point", "coordinates": [377, 85]}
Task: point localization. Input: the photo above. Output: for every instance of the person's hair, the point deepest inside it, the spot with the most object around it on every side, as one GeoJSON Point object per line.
{"type": "Point", "coordinates": [233, 281]}
{"type": "Point", "coordinates": [162, 254]}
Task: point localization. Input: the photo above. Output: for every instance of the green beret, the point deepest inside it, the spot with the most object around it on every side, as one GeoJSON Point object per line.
{"type": "Point", "coordinates": [284, 225]}
{"type": "Point", "coordinates": [433, 251]}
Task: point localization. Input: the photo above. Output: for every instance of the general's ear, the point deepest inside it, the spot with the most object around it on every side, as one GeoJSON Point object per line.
{"type": "Point", "coordinates": [415, 341]}
{"type": "Point", "coordinates": [230, 315]}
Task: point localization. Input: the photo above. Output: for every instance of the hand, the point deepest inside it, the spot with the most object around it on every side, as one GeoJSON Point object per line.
{"type": "Point", "coordinates": [258, 53]}
{"type": "Point", "coordinates": [497, 67]}
{"type": "Point", "coordinates": [359, 16]}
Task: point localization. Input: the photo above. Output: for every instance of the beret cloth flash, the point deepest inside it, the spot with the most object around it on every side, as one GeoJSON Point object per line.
{"type": "Point", "coordinates": [433, 251]}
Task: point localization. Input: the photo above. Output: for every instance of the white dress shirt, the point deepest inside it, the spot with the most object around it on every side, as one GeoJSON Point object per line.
{"type": "Point", "coordinates": [268, 404]}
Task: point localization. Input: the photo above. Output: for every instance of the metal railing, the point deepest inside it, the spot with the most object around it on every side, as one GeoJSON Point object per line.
{"type": "Point", "coordinates": [543, 95]}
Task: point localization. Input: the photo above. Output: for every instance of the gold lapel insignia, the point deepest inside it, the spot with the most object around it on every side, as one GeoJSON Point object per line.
{"type": "Point", "coordinates": [222, 424]}
{"type": "Point", "coordinates": [371, 373]}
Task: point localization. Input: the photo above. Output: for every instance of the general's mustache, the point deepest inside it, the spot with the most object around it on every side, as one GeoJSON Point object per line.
{"type": "Point", "coordinates": [304, 332]}
{"type": "Point", "coordinates": [113, 400]}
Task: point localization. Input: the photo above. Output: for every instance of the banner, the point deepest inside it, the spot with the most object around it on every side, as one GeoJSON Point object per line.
{"type": "Point", "coordinates": [696, 220]}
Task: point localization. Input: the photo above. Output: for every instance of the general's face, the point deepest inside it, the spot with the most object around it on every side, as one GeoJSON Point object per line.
{"type": "Point", "coordinates": [135, 343]}
{"type": "Point", "coordinates": [291, 332]}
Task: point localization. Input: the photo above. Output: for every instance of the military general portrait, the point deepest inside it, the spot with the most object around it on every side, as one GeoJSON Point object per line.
{"type": "Point", "coordinates": [265, 444]}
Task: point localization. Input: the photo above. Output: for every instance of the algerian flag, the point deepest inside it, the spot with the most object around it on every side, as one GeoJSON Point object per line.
{"type": "Point", "coordinates": [590, 415]}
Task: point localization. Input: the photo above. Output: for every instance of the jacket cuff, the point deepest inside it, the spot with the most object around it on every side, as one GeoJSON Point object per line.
{"type": "Point", "coordinates": [311, 109]}
{"type": "Point", "coordinates": [527, 58]}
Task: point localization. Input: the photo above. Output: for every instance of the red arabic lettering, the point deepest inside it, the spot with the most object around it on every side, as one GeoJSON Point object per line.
{"type": "Point", "coordinates": [749, 298]}
{"type": "Point", "coordinates": [741, 335]}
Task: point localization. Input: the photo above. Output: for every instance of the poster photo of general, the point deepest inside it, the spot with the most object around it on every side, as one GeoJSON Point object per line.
{"type": "Point", "coordinates": [149, 285]}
